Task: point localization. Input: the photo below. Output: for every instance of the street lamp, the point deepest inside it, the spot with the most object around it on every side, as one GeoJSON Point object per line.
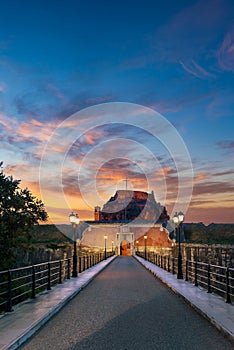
{"type": "Point", "coordinates": [178, 218]}
{"type": "Point", "coordinates": [105, 238]}
{"type": "Point", "coordinates": [137, 243]}
{"type": "Point", "coordinates": [112, 242]}
{"type": "Point", "coordinates": [74, 220]}
{"type": "Point", "coordinates": [145, 238]}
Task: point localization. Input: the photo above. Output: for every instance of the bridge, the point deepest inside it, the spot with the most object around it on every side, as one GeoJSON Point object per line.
{"type": "Point", "coordinates": [125, 307]}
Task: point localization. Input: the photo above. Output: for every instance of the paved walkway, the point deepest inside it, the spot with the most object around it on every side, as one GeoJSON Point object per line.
{"type": "Point", "coordinates": [27, 318]}
{"type": "Point", "coordinates": [18, 326]}
{"type": "Point", "coordinates": [209, 305]}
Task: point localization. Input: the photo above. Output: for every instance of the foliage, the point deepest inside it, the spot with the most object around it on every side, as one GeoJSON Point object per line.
{"type": "Point", "coordinates": [211, 234]}
{"type": "Point", "coordinates": [19, 212]}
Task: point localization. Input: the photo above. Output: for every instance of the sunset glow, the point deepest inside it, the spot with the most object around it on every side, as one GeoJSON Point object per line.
{"type": "Point", "coordinates": [174, 58]}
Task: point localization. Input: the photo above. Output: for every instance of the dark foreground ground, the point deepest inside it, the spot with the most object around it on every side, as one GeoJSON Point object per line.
{"type": "Point", "coordinates": [126, 308]}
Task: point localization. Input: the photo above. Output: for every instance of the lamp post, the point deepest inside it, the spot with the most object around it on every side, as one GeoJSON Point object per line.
{"type": "Point", "coordinates": [145, 238]}
{"type": "Point", "coordinates": [178, 218]}
{"type": "Point", "coordinates": [74, 220]}
{"type": "Point", "coordinates": [105, 238]}
{"type": "Point", "coordinates": [137, 243]}
{"type": "Point", "coordinates": [112, 242]}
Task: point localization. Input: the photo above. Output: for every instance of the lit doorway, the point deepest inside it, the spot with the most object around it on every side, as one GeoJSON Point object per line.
{"type": "Point", "coordinates": [125, 248]}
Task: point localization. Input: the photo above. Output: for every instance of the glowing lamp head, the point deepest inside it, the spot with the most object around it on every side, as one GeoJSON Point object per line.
{"type": "Point", "coordinates": [145, 237]}
{"type": "Point", "coordinates": [77, 220]}
{"type": "Point", "coordinates": [175, 218]}
{"type": "Point", "coordinates": [181, 216]}
{"type": "Point", "coordinates": [72, 218]}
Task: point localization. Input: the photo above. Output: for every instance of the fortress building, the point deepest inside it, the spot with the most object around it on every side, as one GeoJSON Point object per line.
{"type": "Point", "coordinates": [127, 206]}
{"type": "Point", "coordinates": [125, 219]}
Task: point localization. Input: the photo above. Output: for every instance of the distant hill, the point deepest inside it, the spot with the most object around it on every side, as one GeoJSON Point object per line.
{"type": "Point", "coordinates": [55, 234]}
{"type": "Point", "coordinates": [211, 234]}
{"type": "Point", "coordinates": [194, 233]}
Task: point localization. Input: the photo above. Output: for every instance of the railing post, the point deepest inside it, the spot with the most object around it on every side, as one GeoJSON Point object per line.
{"type": "Point", "coordinates": [195, 282]}
{"type": "Point", "coordinates": [9, 293]}
{"type": "Point", "coordinates": [68, 268]}
{"type": "Point", "coordinates": [80, 262]}
{"type": "Point", "coordinates": [228, 297]}
{"type": "Point", "coordinates": [168, 264]}
{"type": "Point", "coordinates": [49, 277]}
{"type": "Point", "coordinates": [33, 283]}
{"type": "Point", "coordinates": [173, 265]}
{"type": "Point", "coordinates": [186, 270]}
{"type": "Point", "coordinates": [208, 279]}
{"type": "Point", "coordinates": [60, 271]}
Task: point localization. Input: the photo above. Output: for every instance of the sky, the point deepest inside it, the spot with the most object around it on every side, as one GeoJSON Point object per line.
{"type": "Point", "coordinates": [92, 92]}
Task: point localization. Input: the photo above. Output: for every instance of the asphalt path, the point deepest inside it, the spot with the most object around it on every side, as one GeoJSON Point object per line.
{"type": "Point", "coordinates": [124, 308]}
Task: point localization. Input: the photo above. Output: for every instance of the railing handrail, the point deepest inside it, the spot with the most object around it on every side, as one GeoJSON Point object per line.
{"type": "Point", "coordinates": [216, 278]}
{"type": "Point", "coordinates": [19, 284]}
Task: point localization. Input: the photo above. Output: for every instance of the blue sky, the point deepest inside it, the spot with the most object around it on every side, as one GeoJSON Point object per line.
{"type": "Point", "coordinates": [176, 57]}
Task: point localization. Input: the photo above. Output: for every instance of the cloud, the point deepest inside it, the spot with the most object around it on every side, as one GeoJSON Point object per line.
{"type": "Point", "coordinates": [224, 173]}
{"type": "Point", "coordinates": [199, 177]}
{"type": "Point", "coordinates": [51, 87]}
{"type": "Point", "coordinates": [99, 99]}
{"type": "Point", "coordinates": [221, 105]}
{"type": "Point", "coordinates": [207, 215]}
{"type": "Point", "coordinates": [225, 54]}
{"type": "Point", "coordinates": [2, 87]}
{"type": "Point", "coordinates": [8, 123]}
{"type": "Point", "coordinates": [196, 70]}
{"type": "Point", "coordinates": [165, 171]}
{"type": "Point", "coordinates": [35, 130]}
{"type": "Point", "coordinates": [213, 188]}
{"type": "Point", "coordinates": [189, 31]}
{"type": "Point", "coordinates": [226, 145]}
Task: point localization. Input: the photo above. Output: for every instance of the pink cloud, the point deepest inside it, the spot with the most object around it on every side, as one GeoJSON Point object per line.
{"type": "Point", "coordinates": [196, 70]}
{"type": "Point", "coordinates": [164, 171]}
{"type": "Point", "coordinates": [202, 71]}
{"type": "Point", "coordinates": [199, 177]}
{"type": "Point", "coordinates": [8, 123]}
{"type": "Point", "coordinates": [57, 92]}
{"type": "Point", "coordinates": [35, 130]}
{"type": "Point", "coordinates": [225, 54]}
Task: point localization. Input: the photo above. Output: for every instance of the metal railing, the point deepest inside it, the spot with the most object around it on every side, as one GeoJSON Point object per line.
{"type": "Point", "coordinates": [17, 285]}
{"type": "Point", "coordinates": [214, 278]}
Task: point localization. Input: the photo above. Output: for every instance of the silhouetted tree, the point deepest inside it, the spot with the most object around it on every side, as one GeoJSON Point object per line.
{"type": "Point", "coordinates": [19, 211]}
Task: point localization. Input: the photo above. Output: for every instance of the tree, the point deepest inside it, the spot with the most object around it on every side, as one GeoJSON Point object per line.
{"type": "Point", "coordinates": [19, 212]}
